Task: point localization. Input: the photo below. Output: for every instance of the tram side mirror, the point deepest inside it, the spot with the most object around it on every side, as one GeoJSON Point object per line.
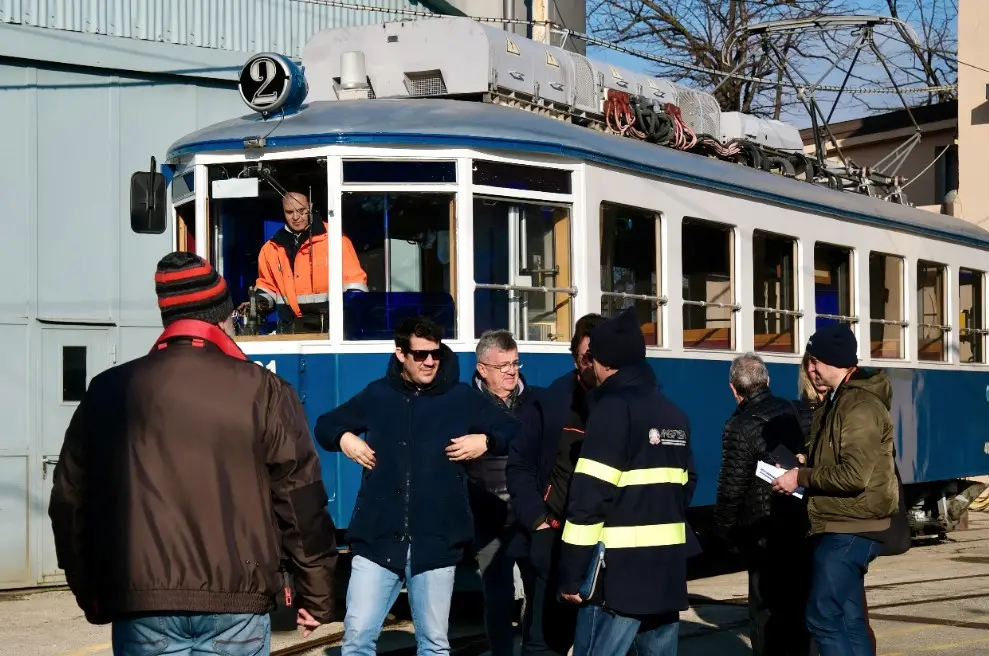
{"type": "Point", "coordinates": [148, 208]}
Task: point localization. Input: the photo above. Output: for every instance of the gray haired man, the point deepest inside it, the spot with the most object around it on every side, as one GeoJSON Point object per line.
{"type": "Point", "coordinates": [499, 378]}
{"type": "Point", "coordinates": [767, 528]}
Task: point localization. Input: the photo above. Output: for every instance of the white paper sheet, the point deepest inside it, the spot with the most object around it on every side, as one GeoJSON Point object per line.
{"type": "Point", "coordinates": [770, 473]}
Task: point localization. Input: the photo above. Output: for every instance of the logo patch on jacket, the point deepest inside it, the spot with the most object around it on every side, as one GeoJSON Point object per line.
{"type": "Point", "coordinates": [667, 437]}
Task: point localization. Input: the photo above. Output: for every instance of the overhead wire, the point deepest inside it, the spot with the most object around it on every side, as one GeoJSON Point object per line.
{"type": "Point", "coordinates": [659, 59]}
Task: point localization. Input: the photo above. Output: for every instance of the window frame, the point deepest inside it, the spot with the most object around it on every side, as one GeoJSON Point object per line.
{"type": "Point", "coordinates": [662, 300]}
{"type": "Point", "coordinates": [904, 323]}
{"type": "Point", "coordinates": [796, 313]}
{"type": "Point", "coordinates": [944, 311]}
{"type": "Point", "coordinates": [733, 280]}
{"type": "Point", "coordinates": [983, 332]}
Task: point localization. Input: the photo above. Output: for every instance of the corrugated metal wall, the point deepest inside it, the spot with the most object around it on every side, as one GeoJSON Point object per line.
{"type": "Point", "coordinates": [240, 25]}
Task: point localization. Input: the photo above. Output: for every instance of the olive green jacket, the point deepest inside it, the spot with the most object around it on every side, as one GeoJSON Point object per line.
{"type": "Point", "coordinates": [850, 476]}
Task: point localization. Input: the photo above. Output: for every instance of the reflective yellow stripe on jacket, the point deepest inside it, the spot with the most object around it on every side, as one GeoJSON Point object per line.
{"type": "Point", "coordinates": [627, 537]}
{"type": "Point", "coordinates": [619, 478]}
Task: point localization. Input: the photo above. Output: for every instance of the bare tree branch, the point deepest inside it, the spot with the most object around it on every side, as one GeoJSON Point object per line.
{"type": "Point", "coordinates": [693, 32]}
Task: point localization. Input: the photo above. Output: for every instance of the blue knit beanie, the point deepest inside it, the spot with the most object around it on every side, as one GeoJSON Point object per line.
{"type": "Point", "coordinates": [834, 344]}
{"type": "Point", "coordinates": [618, 342]}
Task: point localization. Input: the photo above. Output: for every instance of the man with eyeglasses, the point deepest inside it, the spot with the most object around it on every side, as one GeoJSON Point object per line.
{"type": "Point", "coordinates": [540, 465]}
{"type": "Point", "coordinates": [292, 269]}
{"type": "Point", "coordinates": [499, 378]}
{"type": "Point", "coordinates": [412, 521]}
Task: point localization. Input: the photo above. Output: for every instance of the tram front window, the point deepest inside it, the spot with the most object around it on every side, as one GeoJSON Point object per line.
{"type": "Point", "coordinates": [268, 237]}
{"type": "Point", "coordinates": [405, 242]}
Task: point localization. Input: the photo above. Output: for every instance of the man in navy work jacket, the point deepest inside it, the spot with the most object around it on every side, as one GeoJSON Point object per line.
{"type": "Point", "coordinates": [630, 491]}
{"type": "Point", "coordinates": [541, 461]}
{"type": "Point", "coordinates": [412, 520]}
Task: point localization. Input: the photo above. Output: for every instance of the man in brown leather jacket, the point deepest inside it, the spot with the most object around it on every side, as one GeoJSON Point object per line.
{"type": "Point", "coordinates": [184, 477]}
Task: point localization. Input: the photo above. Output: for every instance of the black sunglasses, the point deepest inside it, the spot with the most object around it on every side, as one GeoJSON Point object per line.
{"type": "Point", "coordinates": [420, 355]}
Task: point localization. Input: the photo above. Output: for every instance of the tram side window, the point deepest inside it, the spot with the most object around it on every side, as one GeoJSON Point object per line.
{"type": "Point", "coordinates": [887, 321]}
{"type": "Point", "coordinates": [630, 266]}
{"type": "Point", "coordinates": [833, 289]}
{"type": "Point", "coordinates": [972, 320]}
{"type": "Point", "coordinates": [267, 230]}
{"type": "Point", "coordinates": [708, 285]}
{"type": "Point", "coordinates": [932, 332]}
{"type": "Point", "coordinates": [519, 248]}
{"type": "Point", "coordinates": [774, 266]}
{"type": "Point", "coordinates": [402, 261]}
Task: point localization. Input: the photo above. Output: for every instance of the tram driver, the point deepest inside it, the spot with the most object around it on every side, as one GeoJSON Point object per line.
{"type": "Point", "coordinates": [292, 270]}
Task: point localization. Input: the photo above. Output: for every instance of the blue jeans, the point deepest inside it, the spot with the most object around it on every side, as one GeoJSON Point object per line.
{"type": "Point", "coordinates": [601, 631]}
{"type": "Point", "coordinates": [373, 590]}
{"type": "Point", "coordinates": [835, 616]}
{"type": "Point", "coordinates": [188, 634]}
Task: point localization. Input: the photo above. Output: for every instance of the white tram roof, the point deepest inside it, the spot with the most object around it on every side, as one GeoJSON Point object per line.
{"type": "Point", "coordinates": [460, 124]}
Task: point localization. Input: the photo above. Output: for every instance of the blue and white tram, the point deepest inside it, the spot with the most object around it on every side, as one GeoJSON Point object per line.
{"type": "Point", "coordinates": [485, 216]}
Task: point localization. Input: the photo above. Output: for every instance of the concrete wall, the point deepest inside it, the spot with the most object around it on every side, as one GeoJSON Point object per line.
{"type": "Point", "coordinates": [973, 110]}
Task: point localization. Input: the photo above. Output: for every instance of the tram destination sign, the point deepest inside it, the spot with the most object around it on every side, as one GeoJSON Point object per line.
{"type": "Point", "coordinates": [270, 83]}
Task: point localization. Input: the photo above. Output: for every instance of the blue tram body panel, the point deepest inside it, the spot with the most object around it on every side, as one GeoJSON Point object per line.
{"type": "Point", "coordinates": [939, 416]}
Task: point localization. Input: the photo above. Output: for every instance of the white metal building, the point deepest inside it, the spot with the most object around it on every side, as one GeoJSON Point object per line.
{"type": "Point", "coordinates": [89, 91]}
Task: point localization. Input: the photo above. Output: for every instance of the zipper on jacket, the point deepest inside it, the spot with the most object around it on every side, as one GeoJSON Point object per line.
{"type": "Point", "coordinates": [408, 473]}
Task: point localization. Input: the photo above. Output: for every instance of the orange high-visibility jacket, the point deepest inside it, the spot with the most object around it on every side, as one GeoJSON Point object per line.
{"type": "Point", "coordinates": [308, 280]}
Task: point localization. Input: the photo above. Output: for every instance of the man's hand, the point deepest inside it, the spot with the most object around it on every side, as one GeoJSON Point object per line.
{"type": "Point", "coordinates": [786, 483]}
{"type": "Point", "coordinates": [802, 459]}
{"type": "Point", "coordinates": [357, 450]}
{"type": "Point", "coordinates": [572, 598]}
{"type": "Point", "coordinates": [306, 622]}
{"type": "Point", "coordinates": [468, 447]}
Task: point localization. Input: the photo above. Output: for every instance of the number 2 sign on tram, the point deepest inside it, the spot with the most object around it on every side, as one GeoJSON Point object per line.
{"type": "Point", "coordinates": [270, 82]}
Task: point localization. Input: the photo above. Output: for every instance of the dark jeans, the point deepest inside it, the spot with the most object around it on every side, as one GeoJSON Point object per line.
{"type": "Point", "coordinates": [497, 570]}
{"type": "Point", "coordinates": [835, 612]}
{"type": "Point", "coordinates": [779, 586]}
{"type": "Point", "coordinates": [549, 624]}
{"type": "Point", "coordinates": [192, 634]}
{"type": "Point", "coordinates": [601, 631]}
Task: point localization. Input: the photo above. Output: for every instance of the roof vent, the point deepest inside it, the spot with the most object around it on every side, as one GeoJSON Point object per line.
{"type": "Point", "coordinates": [353, 83]}
{"type": "Point", "coordinates": [425, 83]}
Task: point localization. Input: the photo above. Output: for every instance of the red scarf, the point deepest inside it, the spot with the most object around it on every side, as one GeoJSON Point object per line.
{"type": "Point", "coordinates": [199, 332]}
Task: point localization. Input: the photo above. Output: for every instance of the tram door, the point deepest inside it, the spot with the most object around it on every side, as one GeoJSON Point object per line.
{"type": "Point", "coordinates": [70, 358]}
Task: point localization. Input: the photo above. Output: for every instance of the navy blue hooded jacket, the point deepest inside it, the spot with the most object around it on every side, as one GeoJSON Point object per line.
{"type": "Point", "coordinates": [414, 494]}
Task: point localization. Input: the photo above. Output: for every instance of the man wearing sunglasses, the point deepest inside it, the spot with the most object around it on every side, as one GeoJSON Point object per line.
{"type": "Point", "coordinates": [540, 465]}
{"type": "Point", "coordinates": [412, 520]}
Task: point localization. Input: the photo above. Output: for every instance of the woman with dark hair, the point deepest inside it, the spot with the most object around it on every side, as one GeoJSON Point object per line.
{"type": "Point", "coordinates": [812, 392]}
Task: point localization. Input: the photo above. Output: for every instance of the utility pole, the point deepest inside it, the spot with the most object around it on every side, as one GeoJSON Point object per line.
{"type": "Point", "coordinates": [540, 21]}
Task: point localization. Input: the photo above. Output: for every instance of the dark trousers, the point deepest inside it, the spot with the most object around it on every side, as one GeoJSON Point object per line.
{"type": "Point", "coordinates": [497, 571]}
{"type": "Point", "coordinates": [779, 586]}
{"type": "Point", "coordinates": [549, 624]}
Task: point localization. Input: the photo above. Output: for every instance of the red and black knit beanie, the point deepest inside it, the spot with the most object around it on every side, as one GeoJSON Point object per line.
{"type": "Point", "coordinates": [189, 288]}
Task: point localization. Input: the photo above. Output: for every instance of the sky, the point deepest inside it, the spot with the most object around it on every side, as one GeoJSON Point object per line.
{"type": "Point", "coordinates": [847, 109]}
